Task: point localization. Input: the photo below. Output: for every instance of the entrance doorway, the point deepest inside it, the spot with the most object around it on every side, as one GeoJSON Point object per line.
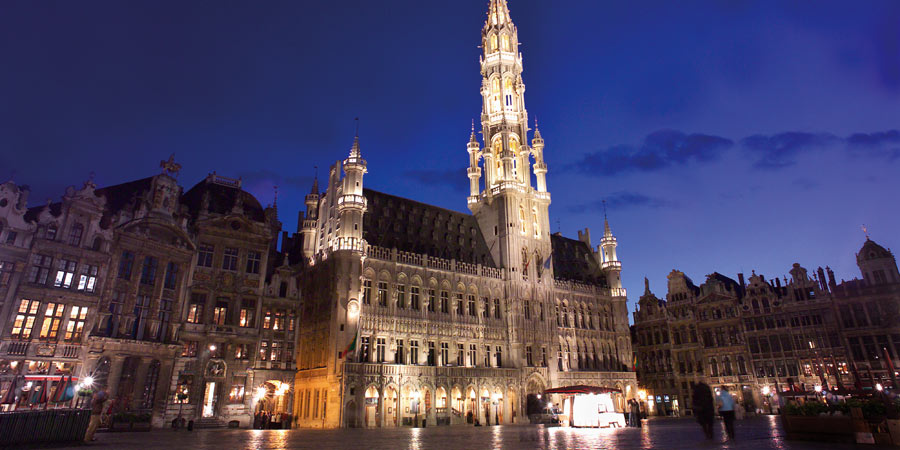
{"type": "Point", "coordinates": [209, 399]}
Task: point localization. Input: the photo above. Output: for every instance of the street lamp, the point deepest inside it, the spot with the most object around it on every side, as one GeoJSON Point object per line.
{"type": "Point", "coordinates": [879, 387]}
{"type": "Point", "coordinates": [415, 396]}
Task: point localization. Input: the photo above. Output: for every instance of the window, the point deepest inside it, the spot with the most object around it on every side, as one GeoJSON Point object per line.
{"type": "Point", "coordinates": [171, 276]}
{"type": "Point", "coordinates": [398, 355]}
{"type": "Point", "coordinates": [278, 323]}
{"type": "Point", "coordinates": [486, 305]}
{"type": "Point", "coordinates": [414, 352]}
{"type": "Point", "coordinates": [431, 354]}
{"type": "Point", "coordinates": [263, 351]}
{"type": "Point", "coordinates": [459, 304]}
{"type": "Point", "coordinates": [53, 316]}
{"type": "Point", "coordinates": [499, 356]}
{"type": "Point", "coordinates": [367, 292]}
{"type": "Point", "coordinates": [6, 270]}
{"type": "Point", "coordinates": [115, 313]}
{"type": "Point", "coordinates": [487, 356]}
{"type": "Point", "coordinates": [379, 350]}
{"type": "Point", "coordinates": [11, 237]}
{"type": "Point", "coordinates": [282, 289]}
{"type": "Point", "coordinates": [164, 316]}
{"type": "Point", "coordinates": [543, 357]}
{"type": "Point", "coordinates": [401, 296]}
{"type": "Point", "coordinates": [472, 355]}
{"type": "Point", "coordinates": [195, 309]}
{"type": "Point", "coordinates": [205, 255]}
{"type": "Point", "coordinates": [150, 382]}
{"type": "Point", "coordinates": [220, 312]}
{"type": "Point", "coordinates": [40, 269]}
{"type": "Point", "coordinates": [414, 298]}
{"type": "Point", "coordinates": [496, 308]}
{"type": "Point", "coordinates": [148, 271]}
{"type": "Point", "coordinates": [253, 259]}
{"type": "Point", "coordinates": [25, 318]}
{"type": "Point", "coordinates": [248, 308]}
{"type": "Point", "coordinates": [75, 234]}
{"type": "Point", "coordinates": [445, 354]}
{"type": "Point", "coordinates": [521, 217]}
{"type": "Point", "coordinates": [65, 272]}
{"type": "Point", "coordinates": [50, 233]}
{"type": "Point", "coordinates": [432, 299]}
{"type": "Point", "coordinates": [292, 320]}
{"type": "Point", "coordinates": [75, 327]}
{"type": "Point", "coordinates": [527, 307]}
{"type": "Point", "coordinates": [536, 227]}
{"type": "Point", "coordinates": [471, 307]}
{"type": "Point", "coordinates": [141, 311]}
{"type": "Point", "coordinates": [230, 258]}
{"type": "Point", "coordinates": [364, 349]}
{"type": "Point", "coordinates": [88, 280]}
{"type": "Point", "coordinates": [190, 349]}
{"type": "Point", "coordinates": [445, 302]}
{"type": "Point", "coordinates": [382, 293]}
{"type": "Point", "coordinates": [460, 355]}
{"type": "Point", "coordinates": [267, 320]}
{"type": "Point", "coordinates": [125, 264]}
{"type": "Point", "coordinates": [860, 315]}
{"type": "Point", "coordinates": [528, 358]}
{"type": "Point", "coordinates": [276, 351]}
{"type": "Point", "coordinates": [237, 390]}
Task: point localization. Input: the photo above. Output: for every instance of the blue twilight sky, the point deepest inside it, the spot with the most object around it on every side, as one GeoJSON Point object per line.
{"type": "Point", "coordinates": [725, 135]}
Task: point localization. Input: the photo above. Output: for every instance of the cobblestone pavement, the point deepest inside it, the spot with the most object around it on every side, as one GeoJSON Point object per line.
{"type": "Point", "coordinates": [756, 433]}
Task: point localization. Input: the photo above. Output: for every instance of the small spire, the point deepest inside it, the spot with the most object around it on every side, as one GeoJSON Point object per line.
{"type": "Point", "coordinates": [866, 231]}
{"type": "Point", "coordinates": [472, 138]}
{"type": "Point", "coordinates": [275, 202]}
{"type": "Point", "coordinates": [315, 186]}
{"type": "Point", "coordinates": [646, 286]}
{"type": "Point", "coordinates": [537, 132]}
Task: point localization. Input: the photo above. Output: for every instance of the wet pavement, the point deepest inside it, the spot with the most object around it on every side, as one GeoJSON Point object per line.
{"type": "Point", "coordinates": [756, 433]}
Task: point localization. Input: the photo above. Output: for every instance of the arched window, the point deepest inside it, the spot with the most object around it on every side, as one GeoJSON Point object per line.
{"type": "Point", "coordinates": [504, 43]}
{"type": "Point", "coordinates": [495, 95]}
{"type": "Point", "coordinates": [713, 367]}
{"type": "Point", "coordinates": [75, 234]}
{"type": "Point", "coordinates": [726, 367]}
{"type": "Point", "coordinates": [521, 219]}
{"type": "Point", "coordinates": [492, 46]}
{"type": "Point", "coordinates": [535, 226]}
{"type": "Point", "coordinates": [508, 93]}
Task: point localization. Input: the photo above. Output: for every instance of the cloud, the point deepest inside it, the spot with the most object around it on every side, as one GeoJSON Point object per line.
{"type": "Point", "coordinates": [879, 144]}
{"type": "Point", "coordinates": [804, 184]}
{"type": "Point", "coordinates": [456, 179]}
{"type": "Point", "coordinates": [660, 150]}
{"type": "Point", "coordinates": [778, 151]}
{"type": "Point", "coordinates": [624, 200]}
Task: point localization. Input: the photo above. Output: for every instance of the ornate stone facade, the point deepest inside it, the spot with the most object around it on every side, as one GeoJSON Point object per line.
{"type": "Point", "coordinates": [760, 338]}
{"type": "Point", "coordinates": [413, 312]}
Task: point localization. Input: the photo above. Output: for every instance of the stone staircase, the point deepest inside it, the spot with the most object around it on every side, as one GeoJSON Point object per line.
{"type": "Point", "coordinates": [209, 422]}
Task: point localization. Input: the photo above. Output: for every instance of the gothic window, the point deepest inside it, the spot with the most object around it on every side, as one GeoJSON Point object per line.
{"type": "Point", "coordinates": [535, 226]}
{"type": "Point", "coordinates": [495, 95]}
{"type": "Point", "coordinates": [508, 93]}
{"type": "Point", "coordinates": [493, 43]}
{"type": "Point", "coordinates": [504, 43]}
{"type": "Point", "coordinates": [521, 220]}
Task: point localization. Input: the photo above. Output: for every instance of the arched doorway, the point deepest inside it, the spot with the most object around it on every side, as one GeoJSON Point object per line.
{"type": "Point", "coordinates": [391, 410]}
{"type": "Point", "coordinates": [350, 414]}
{"type": "Point", "coordinates": [371, 419]}
{"type": "Point", "coordinates": [511, 401]}
{"type": "Point", "coordinates": [497, 407]}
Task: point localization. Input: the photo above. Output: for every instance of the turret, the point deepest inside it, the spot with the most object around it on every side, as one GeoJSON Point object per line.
{"type": "Point", "coordinates": [540, 168]}
{"type": "Point", "coordinates": [307, 226]}
{"type": "Point", "coordinates": [611, 265]}
{"type": "Point", "coordinates": [351, 203]}
{"type": "Point", "coordinates": [877, 264]}
{"type": "Point", "coordinates": [474, 172]}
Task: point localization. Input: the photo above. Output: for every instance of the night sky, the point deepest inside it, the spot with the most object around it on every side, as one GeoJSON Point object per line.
{"type": "Point", "coordinates": [725, 135]}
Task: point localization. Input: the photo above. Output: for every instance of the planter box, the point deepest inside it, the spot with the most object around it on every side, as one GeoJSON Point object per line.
{"type": "Point", "coordinates": [817, 428]}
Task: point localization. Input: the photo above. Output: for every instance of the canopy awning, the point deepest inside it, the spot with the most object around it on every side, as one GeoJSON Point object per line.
{"type": "Point", "coordinates": [582, 389]}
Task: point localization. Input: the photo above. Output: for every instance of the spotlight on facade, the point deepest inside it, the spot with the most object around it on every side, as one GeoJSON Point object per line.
{"type": "Point", "coordinates": [765, 390]}
{"type": "Point", "coordinates": [212, 347]}
{"type": "Point", "coordinates": [818, 389]}
{"type": "Point", "coordinates": [642, 394]}
{"type": "Point", "coordinates": [353, 309]}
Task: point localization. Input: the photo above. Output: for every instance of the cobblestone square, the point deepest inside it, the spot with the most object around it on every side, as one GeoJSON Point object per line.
{"type": "Point", "coordinates": [756, 433]}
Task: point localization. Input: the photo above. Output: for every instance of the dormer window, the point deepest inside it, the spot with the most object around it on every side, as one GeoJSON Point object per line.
{"type": "Point", "coordinates": [50, 233]}
{"type": "Point", "coordinates": [75, 234]}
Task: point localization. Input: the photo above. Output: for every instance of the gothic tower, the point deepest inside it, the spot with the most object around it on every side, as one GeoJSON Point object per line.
{"type": "Point", "coordinates": [512, 212]}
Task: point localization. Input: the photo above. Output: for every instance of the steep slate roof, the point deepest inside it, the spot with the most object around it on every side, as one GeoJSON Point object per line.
{"type": "Point", "coordinates": [221, 200]}
{"type": "Point", "coordinates": [574, 260]}
{"type": "Point", "coordinates": [410, 226]}
{"type": "Point", "coordinates": [118, 196]}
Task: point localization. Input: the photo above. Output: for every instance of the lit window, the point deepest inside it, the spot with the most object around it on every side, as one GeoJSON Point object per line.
{"type": "Point", "coordinates": [220, 313]}
{"type": "Point", "coordinates": [195, 310]}
{"type": "Point", "coordinates": [53, 316]}
{"type": "Point", "coordinates": [25, 318]}
{"type": "Point", "coordinates": [504, 43]}
{"type": "Point", "coordinates": [88, 280]}
{"type": "Point", "coordinates": [65, 272]}
{"type": "Point", "coordinates": [75, 327]}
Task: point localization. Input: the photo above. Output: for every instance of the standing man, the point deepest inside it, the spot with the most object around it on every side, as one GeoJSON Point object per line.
{"type": "Point", "coordinates": [704, 408]}
{"type": "Point", "coordinates": [97, 403]}
{"type": "Point", "coordinates": [726, 410]}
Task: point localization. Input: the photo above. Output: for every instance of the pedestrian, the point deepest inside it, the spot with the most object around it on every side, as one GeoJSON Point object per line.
{"type": "Point", "coordinates": [704, 408]}
{"type": "Point", "coordinates": [97, 403]}
{"type": "Point", "coordinates": [726, 410]}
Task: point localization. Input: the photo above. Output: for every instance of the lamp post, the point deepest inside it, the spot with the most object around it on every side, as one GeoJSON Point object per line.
{"type": "Point", "coordinates": [766, 392]}
{"type": "Point", "coordinates": [415, 396]}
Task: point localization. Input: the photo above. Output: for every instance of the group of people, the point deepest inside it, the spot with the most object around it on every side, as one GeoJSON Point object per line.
{"type": "Point", "coordinates": [265, 420]}
{"type": "Point", "coordinates": [705, 408]}
{"type": "Point", "coordinates": [634, 414]}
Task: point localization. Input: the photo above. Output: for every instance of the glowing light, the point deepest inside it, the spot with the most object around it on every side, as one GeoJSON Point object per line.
{"type": "Point", "coordinates": [642, 394]}
{"type": "Point", "coordinates": [212, 347]}
{"type": "Point", "coordinates": [353, 308]}
{"type": "Point", "coordinates": [88, 381]}
{"type": "Point", "coordinates": [818, 388]}
{"type": "Point", "coordinates": [539, 396]}
{"type": "Point", "coordinates": [879, 387]}
{"type": "Point", "coordinates": [765, 390]}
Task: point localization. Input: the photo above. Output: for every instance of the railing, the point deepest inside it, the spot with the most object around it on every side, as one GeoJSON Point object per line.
{"type": "Point", "coordinates": [352, 200]}
{"type": "Point", "coordinates": [224, 181]}
{"type": "Point", "coordinates": [431, 371]}
{"type": "Point", "coordinates": [17, 348]}
{"type": "Point", "coordinates": [422, 260]}
{"type": "Point", "coordinates": [353, 244]}
{"type": "Point", "coordinates": [30, 427]}
{"type": "Point", "coordinates": [611, 264]}
{"type": "Point", "coordinates": [67, 351]}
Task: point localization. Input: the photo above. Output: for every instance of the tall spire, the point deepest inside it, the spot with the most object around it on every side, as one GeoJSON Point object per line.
{"type": "Point", "coordinates": [498, 13]}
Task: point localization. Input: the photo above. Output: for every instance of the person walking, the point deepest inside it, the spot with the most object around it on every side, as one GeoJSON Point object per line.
{"type": "Point", "coordinates": [704, 408]}
{"type": "Point", "coordinates": [726, 410]}
{"type": "Point", "coordinates": [97, 410]}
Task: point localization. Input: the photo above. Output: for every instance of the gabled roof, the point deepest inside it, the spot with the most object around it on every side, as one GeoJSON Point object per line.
{"type": "Point", "coordinates": [411, 226]}
{"type": "Point", "coordinates": [222, 199]}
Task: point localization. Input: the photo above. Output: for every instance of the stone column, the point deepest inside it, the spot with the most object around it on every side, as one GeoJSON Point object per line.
{"type": "Point", "coordinates": [115, 372]}
{"type": "Point", "coordinates": [140, 381]}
